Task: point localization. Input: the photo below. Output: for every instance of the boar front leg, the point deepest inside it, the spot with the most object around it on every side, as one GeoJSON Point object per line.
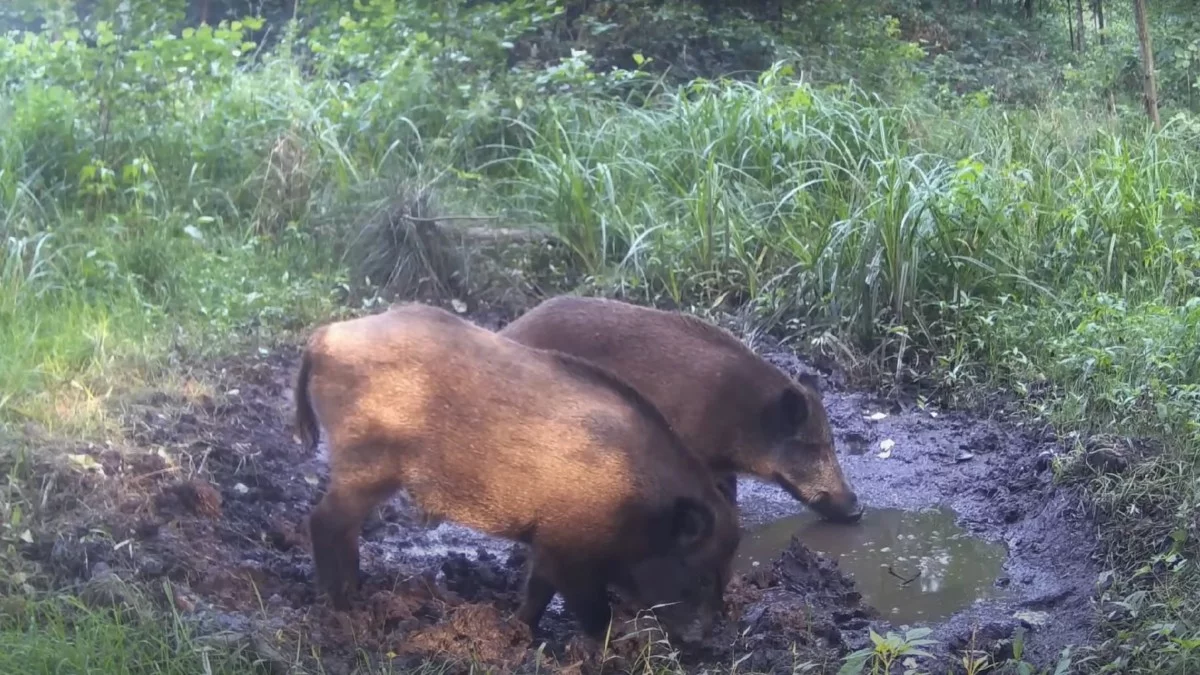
{"type": "Point", "coordinates": [582, 583]}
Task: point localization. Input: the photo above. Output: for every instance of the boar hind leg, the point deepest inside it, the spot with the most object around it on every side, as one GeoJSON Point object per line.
{"type": "Point", "coordinates": [334, 528]}
{"type": "Point", "coordinates": [539, 591]}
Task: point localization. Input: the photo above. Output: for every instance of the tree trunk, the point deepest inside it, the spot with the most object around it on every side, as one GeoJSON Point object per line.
{"type": "Point", "coordinates": [202, 10]}
{"type": "Point", "coordinates": [774, 12]}
{"type": "Point", "coordinates": [1150, 89]}
{"type": "Point", "coordinates": [1110, 101]}
{"type": "Point", "coordinates": [1071, 27]}
{"type": "Point", "coordinates": [1079, 24]}
{"type": "Point", "coordinates": [1029, 9]}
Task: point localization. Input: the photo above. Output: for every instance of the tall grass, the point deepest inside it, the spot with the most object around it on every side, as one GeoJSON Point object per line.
{"type": "Point", "coordinates": [1052, 254]}
{"type": "Point", "coordinates": [62, 636]}
{"type": "Point", "coordinates": [853, 210]}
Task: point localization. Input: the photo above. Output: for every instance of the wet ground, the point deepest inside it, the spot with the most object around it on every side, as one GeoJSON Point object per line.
{"type": "Point", "coordinates": [212, 495]}
{"type": "Point", "coordinates": [997, 479]}
{"type": "Point", "coordinates": [914, 566]}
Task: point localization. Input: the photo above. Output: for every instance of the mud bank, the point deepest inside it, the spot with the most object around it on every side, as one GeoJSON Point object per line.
{"type": "Point", "coordinates": [998, 480]}
{"type": "Point", "coordinates": [213, 493]}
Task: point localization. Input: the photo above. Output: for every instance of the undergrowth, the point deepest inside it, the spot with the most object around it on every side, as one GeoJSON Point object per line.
{"type": "Point", "coordinates": [62, 635]}
{"type": "Point", "coordinates": [165, 197]}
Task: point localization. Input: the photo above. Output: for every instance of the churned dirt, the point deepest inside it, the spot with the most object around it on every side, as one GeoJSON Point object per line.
{"type": "Point", "coordinates": [208, 501]}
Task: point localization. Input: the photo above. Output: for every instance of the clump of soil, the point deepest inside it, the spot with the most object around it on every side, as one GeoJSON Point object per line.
{"type": "Point", "coordinates": [474, 632]}
{"type": "Point", "coordinates": [191, 496]}
{"type": "Point", "coordinates": [212, 496]}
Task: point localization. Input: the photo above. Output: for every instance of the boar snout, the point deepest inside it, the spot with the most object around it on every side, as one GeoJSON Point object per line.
{"type": "Point", "coordinates": [843, 509]}
{"type": "Point", "coordinates": [695, 632]}
{"type": "Point", "coordinates": [689, 626]}
{"type": "Point", "coordinates": [838, 506]}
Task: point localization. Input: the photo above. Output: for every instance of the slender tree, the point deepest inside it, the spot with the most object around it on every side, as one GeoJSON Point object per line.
{"type": "Point", "coordinates": [1079, 24]}
{"type": "Point", "coordinates": [1150, 88]}
{"type": "Point", "coordinates": [1071, 27]}
{"type": "Point", "coordinates": [1110, 100]}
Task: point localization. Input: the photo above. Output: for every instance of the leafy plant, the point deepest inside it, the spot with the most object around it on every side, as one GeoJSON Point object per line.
{"type": "Point", "coordinates": [887, 650]}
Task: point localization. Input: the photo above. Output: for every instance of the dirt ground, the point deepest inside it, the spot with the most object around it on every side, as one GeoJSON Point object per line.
{"type": "Point", "coordinates": [212, 495]}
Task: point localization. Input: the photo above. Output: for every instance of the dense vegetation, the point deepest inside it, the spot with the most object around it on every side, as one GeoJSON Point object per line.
{"type": "Point", "coordinates": [962, 196]}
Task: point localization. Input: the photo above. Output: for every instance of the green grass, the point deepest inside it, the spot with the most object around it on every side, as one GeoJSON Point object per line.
{"type": "Point", "coordinates": [1050, 253]}
{"type": "Point", "coordinates": [60, 636]}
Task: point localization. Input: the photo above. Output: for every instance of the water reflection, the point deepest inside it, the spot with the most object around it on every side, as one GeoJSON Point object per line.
{"type": "Point", "coordinates": [912, 565]}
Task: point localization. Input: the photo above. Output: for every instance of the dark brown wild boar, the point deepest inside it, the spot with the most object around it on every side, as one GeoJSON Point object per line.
{"type": "Point", "coordinates": [530, 445]}
{"type": "Point", "coordinates": [740, 413]}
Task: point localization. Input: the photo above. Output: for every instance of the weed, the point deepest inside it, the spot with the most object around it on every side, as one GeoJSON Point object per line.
{"type": "Point", "coordinates": [887, 650]}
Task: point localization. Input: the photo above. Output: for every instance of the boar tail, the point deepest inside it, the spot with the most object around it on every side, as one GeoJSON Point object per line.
{"type": "Point", "coordinates": [306, 421]}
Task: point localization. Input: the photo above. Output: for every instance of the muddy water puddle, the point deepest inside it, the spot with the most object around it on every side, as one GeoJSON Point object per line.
{"type": "Point", "coordinates": [913, 566]}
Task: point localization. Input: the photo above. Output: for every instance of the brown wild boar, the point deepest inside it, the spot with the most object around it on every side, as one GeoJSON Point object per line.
{"type": "Point", "coordinates": [530, 445]}
{"type": "Point", "coordinates": [740, 413]}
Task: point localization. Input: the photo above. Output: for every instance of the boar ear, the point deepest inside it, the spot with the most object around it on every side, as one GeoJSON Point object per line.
{"type": "Point", "coordinates": [727, 485]}
{"type": "Point", "coordinates": [691, 522]}
{"type": "Point", "coordinates": [783, 417]}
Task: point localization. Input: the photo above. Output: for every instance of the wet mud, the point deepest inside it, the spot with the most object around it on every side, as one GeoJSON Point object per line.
{"type": "Point", "coordinates": [915, 566]}
{"type": "Point", "coordinates": [997, 478]}
{"type": "Point", "coordinates": [210, 497]}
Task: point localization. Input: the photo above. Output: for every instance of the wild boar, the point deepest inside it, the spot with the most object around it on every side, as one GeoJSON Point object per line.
{"type": "Point", "coordinates": [740, 413]}
{"type": "Point", "coordinates": [530, 445]}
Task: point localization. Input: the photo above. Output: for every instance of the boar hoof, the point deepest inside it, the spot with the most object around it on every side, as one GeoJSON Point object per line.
{"type": "Point", "coordinates": [593, 612]}
{"type": "Point", "coordinates": [530, 615]}
{"type": "Point", "coordinates": [340, 595]}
